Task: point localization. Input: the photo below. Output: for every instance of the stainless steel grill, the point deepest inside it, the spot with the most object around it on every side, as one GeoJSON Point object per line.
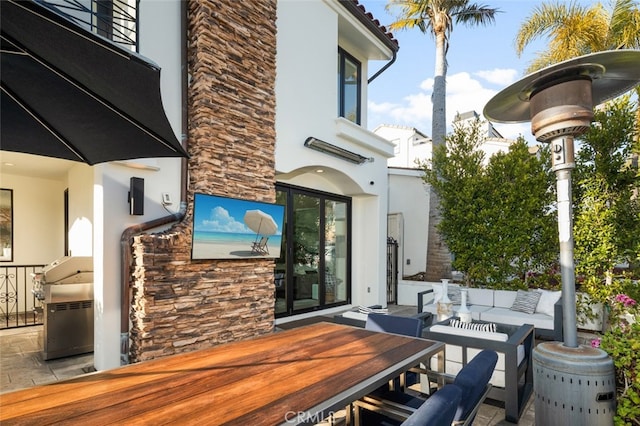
{"type": "Point", "coordinates": [66, 288]}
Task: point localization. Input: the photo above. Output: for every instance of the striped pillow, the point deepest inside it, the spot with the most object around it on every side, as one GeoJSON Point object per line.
{"type": "Point", "coordinates": [489, 327]}
{"type": "Point", "coordinates": [526, 301]}
{"type": "Point", "coordinates": [454, 295]}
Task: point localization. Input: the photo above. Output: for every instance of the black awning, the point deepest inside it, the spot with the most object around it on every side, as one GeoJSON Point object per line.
{"type": "Point", "coordinates": [72, 94]}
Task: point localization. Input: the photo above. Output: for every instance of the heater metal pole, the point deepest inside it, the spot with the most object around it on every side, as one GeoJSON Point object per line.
{"type": "Point", "coordinates": [567, 271]}
{"type": "Point", "coordinates": [562, 162]}
{"type": "Point", "coordinates": [573, 384]}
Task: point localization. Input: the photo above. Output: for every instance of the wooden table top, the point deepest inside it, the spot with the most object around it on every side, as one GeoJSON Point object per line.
{"type": "Point", "coordinates": [268, 380]}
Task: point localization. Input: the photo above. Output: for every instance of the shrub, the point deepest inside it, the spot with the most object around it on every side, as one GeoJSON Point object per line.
{"type": "Point", "coordinates": [622, 342]}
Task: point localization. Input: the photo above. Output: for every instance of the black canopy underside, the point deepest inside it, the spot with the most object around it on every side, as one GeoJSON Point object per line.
{"type": "Point", "coordinates": [72, 94]}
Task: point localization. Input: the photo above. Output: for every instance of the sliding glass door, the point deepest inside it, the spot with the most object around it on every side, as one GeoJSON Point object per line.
{"type": "Point", "coordinates": [314, 271]}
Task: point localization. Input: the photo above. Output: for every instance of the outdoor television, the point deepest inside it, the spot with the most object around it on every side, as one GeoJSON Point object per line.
{"type": "Point", "coordinates": [230, 228]}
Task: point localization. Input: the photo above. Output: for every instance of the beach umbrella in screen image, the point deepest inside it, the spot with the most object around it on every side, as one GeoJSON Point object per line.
{"type": "Point", "coordinates": [260, 222]}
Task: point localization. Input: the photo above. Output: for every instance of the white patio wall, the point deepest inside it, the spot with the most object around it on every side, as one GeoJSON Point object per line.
{"type": "Point", "coordinates": [409, 196]}
{"type": "Point", "coordinates": [408, 291]}
{"type": "Point", "coordinates": [307, 100]}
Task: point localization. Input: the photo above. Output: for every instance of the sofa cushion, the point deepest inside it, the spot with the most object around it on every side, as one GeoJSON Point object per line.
{"type": "Point", "coordinates": [526, 301]}
{"type": "Point", "coordinates": [476, 310]}
{"type": "Point", "coordinates": [453, 291]}
{"type": "Point", "coordinates": [480, 296]}
{"type": "Point", "coordinates": [547, 301]}
{"type": "Point", "coordinates": [501, 313]}
{"type": "Point", "coordinates": [454, 294]}
{"type": "Point", "coordinates": [507, 316]}
{"type": "Point", "coordinates": [503, 298]}
{"type": "Point", "coordinates": [445, 329]}
{"type": "Point", "coordinates": [453, 362]}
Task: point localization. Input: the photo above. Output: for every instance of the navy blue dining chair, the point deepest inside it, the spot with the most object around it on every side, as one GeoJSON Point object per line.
{"type": "Point", "coordinates": [394, 406]}
{"type": "Point", "coordinates": [473, 379]}
{"type": "Point", "coordinates": [439, 410]}
{"type": "Point", "coordinates": [395, 324]}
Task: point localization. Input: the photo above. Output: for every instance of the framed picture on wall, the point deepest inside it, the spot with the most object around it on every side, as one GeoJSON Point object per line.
{"type": "Point", "coordinates": [230, 228]}
{"type": "Point", "coordinates": [6, 225]}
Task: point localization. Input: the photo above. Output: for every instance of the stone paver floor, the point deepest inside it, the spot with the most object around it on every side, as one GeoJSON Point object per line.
{"type": "Point", "coordinates": [22, 365]}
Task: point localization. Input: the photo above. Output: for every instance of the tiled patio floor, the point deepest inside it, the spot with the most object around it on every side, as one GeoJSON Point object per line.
{"type": "Point", "coordinates": [22, 366]}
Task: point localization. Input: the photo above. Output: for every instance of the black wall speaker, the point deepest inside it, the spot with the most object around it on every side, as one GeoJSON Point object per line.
{"type": "Point", "coordinates": [136, 196]}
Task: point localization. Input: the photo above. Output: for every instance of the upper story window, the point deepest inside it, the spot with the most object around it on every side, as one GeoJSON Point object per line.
{"type": "Point", "coordinates": [116, 20]}
{"type": "Point", "coordinates": [349, 87]}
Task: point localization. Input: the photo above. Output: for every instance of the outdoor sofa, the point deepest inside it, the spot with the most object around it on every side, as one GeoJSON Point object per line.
{"type": "Point", "coordinates": [496, 306]}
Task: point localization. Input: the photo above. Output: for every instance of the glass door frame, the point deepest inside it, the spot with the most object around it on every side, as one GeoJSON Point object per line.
{"type": "Point", "coordinates": [288, 280]}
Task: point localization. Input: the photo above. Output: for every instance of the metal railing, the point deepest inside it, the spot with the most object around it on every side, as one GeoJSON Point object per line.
{"type": "Point", "coordinates": [18, 306]}
{"type": "Point", "coordinates": [116, 20]}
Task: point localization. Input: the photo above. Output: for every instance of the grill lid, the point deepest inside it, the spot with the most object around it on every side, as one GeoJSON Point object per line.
{"type": "Point", "coordinates": [67, 266]}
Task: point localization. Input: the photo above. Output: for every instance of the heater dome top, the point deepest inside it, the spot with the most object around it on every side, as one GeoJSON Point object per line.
{"type": "Point", "coordinates": [612, 73]}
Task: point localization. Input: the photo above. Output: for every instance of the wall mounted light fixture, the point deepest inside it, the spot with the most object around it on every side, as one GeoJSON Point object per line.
{"type": "Point", "coordinates": [136, 196]}
{"type": "Point", "coordinates": [336, 151]}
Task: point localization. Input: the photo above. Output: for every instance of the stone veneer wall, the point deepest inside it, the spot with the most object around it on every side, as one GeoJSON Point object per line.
{"type": "Point", "coordinates": [180, 305]}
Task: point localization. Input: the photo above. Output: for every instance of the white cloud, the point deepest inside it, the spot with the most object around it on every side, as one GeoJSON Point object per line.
{"type": "Point", "coordinates": [382, 108]}
{"type": "Point", "coordinates": [512, 131]}
{"type": "Point", "coordinates": [221, 221]}
{"type": "Point", "coordinates": [499, 76]}
{"type": "Point", "coordinates": [465, 93]}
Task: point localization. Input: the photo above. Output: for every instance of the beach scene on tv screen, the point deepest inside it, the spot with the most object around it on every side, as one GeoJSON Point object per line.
{"type": "Point", "coordinates": [227, 228]}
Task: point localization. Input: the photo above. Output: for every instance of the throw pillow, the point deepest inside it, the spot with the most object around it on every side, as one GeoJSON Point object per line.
{"type": "Point", "coordinates": [488, 327]}
{"type": "Point", "coordinates": [526, 301]}
{"type": "Point", "coordinates": [454, 295]}
{"type": "Point", "coordinates": [547, 301]}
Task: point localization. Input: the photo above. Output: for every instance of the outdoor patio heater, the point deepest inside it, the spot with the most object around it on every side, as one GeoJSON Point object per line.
{"type": "Point", "coordinates": [574, 384]}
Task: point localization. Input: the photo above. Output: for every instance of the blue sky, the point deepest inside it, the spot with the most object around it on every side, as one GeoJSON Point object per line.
{"type": "Point", "coordinates": [221, 214]}
{"type": "Point", "coordinates": [482, 61]}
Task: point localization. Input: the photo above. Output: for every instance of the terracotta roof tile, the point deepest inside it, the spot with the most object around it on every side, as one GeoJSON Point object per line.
{"type": "Point", "coordinates": [371, 22]}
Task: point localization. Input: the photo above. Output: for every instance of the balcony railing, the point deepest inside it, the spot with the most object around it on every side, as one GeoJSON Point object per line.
{"type": "Point", "coordinates": [116, 20]}
{"type": "Point", "coordinates": [18, 306]}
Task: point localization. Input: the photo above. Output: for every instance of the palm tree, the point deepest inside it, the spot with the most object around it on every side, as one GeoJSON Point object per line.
{"type": "Point", "coordinates": [574, 30]}
{"type": "Point", "coordinates": [437, 18]}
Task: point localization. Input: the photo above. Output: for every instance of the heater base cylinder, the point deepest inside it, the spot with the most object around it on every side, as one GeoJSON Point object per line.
{"type": "Point", "coordinates": [573, 386]}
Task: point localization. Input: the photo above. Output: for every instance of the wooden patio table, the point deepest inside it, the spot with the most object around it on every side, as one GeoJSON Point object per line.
{"type": "Point", "coordinates": [296, 376]}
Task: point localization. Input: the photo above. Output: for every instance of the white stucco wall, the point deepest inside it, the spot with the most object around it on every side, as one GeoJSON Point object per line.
{"type": "Point", "coordinates": [159, 41]}
{"type": "Point", "coordinates": [38, 218]}
{"type": "Point", "coordinates": [307, 99]}
{"type": "Point", "coordinates": [408, 291]}
{"type": "Point", "coordinates": [81, 222]}
{"type": "Point", "coordinates": [409, 196]}
{"type": "Point", "coordinates": [408, 145]}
